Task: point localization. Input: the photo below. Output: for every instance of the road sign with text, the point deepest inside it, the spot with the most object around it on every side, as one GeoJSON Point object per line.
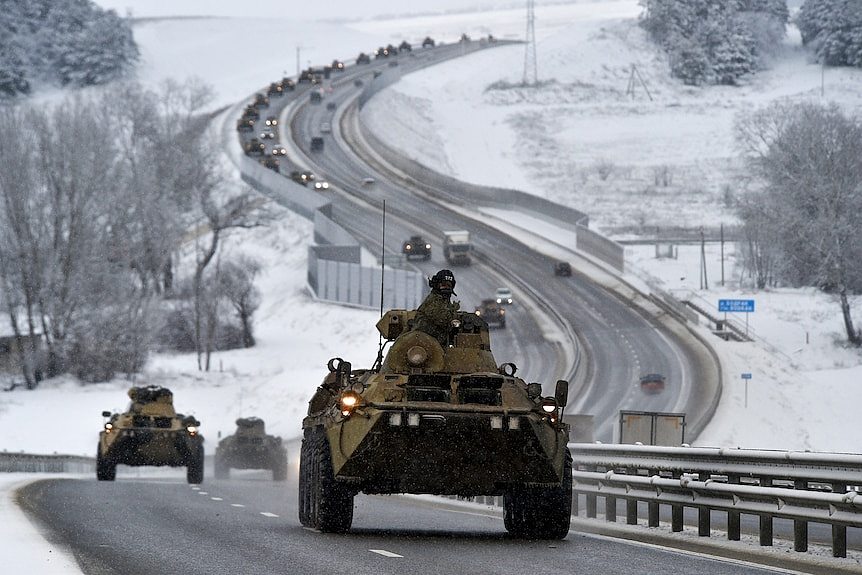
{"type": "Point", "coordinates": [736, 305]}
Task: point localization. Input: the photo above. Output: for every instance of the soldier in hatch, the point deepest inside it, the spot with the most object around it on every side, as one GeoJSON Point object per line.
{"type": "Point", "coordinates": [434, 316]}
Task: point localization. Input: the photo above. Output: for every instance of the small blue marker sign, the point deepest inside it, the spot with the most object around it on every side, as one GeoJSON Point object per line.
{"type": "Point", "coordinates": [736, 305]}
{"type": "Point", "coordinates": [746, 376]}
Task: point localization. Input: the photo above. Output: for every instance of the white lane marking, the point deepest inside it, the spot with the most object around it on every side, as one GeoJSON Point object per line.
{"type": "Point", "coordinates": [202, 493]}
{"type": "Point", "coordinates": [310, 529]}
{"type": "Point", "coordinates": [196, 488]}
{"type": "Point", "coordinates": [237, 505]}
{"type": "Point", "coordinates": [385, 553]}
{"type": "Point", "coordinates": [268, 514]}
{"type": "Point", "coordinates": [216, 498]}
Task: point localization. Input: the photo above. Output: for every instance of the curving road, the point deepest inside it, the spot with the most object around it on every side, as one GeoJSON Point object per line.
{"type": "Point", "coordinates": [620, 341]}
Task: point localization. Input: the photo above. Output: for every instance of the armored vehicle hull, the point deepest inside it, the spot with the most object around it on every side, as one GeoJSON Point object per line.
{"type": "Point", "coordinates": [251, 448]}
{"type": "Point", "coordinates": [436, 420]}
{"type": "Point", "coordinates": [150, 432]}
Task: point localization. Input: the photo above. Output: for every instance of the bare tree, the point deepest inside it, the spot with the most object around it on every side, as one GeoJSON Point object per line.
{"type": "Point", "coordinates": [236, 281]}
{"type": "Point", "coordinates": [809, 159]}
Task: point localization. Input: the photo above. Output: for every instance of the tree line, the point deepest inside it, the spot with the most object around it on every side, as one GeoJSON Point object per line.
{"type": "Point", "coordinates": [113, 209]}
{"type": "Point", "coordinates": [721, 41]}
{"type": "Point", "coordinates": [61, 42]}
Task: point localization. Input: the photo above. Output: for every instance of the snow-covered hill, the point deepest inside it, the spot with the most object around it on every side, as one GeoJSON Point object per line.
{"type": "Point", "coordinates": [800, 398]}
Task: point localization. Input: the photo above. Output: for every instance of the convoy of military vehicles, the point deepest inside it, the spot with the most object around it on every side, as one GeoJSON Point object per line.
{"type": "Point", "coordinates": [429, 416]}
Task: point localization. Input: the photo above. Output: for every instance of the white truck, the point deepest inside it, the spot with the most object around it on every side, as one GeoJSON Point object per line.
{"type": "Point", "coordinates": [456, 247]}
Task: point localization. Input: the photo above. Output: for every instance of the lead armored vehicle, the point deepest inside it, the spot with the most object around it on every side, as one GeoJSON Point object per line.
{"type": "Point", "coordinates": [251, 448]}
{"type": "Point", "coordinates": [492, 312]}
{"type": "Point", "coordinates": [150, 432]}
{"type": "Point", "coordinates": [436, 419]}
{"type": "Point", "coordinates": [416, 247]}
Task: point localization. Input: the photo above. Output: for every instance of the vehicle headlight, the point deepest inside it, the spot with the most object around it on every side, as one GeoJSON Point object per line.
{"type": "Point", "coordinates": [349, 401]}
{"type": "Point", "coordinates": [408, 248]}
{"type": "Point", "coordinates": [109, 427]}
{"type": "Point", "coordinates": [192, 429]}
{"type": "Point", "coordinates": [427, 246]}
{"type": "Point", "coordinates": [499, 300]}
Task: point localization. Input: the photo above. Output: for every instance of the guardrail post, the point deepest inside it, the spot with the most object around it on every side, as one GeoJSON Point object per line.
{"type": "Point", "coordinates": [839, 532]}
{"type": "Point", "coordinates": [610, 508]}
{"type": "Point", "coordinates": [575, 507]}
{"type": "Point", "coordinates": [652, 508]}
{"type": "Point", "coordinates": [591, 499]}
{"type": "Point", "coordinates": [631, 511]}
{"type": "Point", "coordinates": [766, 519]}
{"type": "Point", "coordinates": [733, 522]}
{"type": "Point", "coordinates": [800, 527]}
{"type": "Point", "coordinates": [676, 511]}
{"type": "Point", "coordinates": [703, 512]}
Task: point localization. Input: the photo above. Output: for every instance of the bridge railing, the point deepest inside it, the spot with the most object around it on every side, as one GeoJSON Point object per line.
{"type": "Point", "coordinates": [800, 486]}
{"type": "Point", "coordinates": [35, 463]}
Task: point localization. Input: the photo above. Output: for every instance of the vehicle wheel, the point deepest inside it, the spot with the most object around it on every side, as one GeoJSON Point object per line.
{"type": "Point", "coordinates": [195, 466]}
{"type": "Point", "coordinates": [304, 474]}
{"type": "Point", "coordinates": [279, 467]}
{"type": "Point", "coordinates": [221, 468]}
{"type": "Point", "coordinates": [106, 470]}
{"type": "Point", "coordinates": [331, 504]}
{"type": "Point", "coordinates": [543, 513]}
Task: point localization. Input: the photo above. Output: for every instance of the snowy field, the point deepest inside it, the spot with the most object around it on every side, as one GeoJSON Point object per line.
{"type": "Point", "coordinates": [579, 141]}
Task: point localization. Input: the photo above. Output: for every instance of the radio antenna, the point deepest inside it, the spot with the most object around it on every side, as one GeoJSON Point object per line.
{"type": "Point", "coordinates": [379, 363]}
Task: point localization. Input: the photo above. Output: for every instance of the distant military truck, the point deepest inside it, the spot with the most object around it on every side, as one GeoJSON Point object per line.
{"type": "Point", "coordinates": [288, 84]}
{"type": "Point", "coordinates": [251, 448]}
{"type": "Point", "coordinates": [275, 89]}
{"type": "Point", "coordinates": [260, 100]}
{"type": "Point", "coordinates": [254, 147]}
{"type": "Point", "coordinates": [245, 125]}
{"type": "Point", "coordinates": [428, 42]}
{"type": "Point", "coordinates": [492, 312]}
{"type": "Point", "coordinates": [315, 97]}
{"type": "Point", "coordinates": [251, 113]}
{"type": "Point", "coordinates": [457, 247]}
{"type": "Point", "coordinates": [405, 46]}
{"type": "Point", "coordinates": [150, 432]}
{"type": "Point", "coordinates": [363, 58]}
{"type": "Point", "coordinates": [317, 144]}
{"type": "Point", "coordinates": [416, 247]}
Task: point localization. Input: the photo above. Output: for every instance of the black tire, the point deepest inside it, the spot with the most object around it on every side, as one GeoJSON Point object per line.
{"type": "Point", "coordinates": [195, 466]}
{"type": "Point", "coordinates": [330, 504]}
{"type": "Point", "coordinates": [543, 513]}
{"type": "Point", "coordinates": [279, 467]}
{"type": "Point", "coordinates": [106, 470]}
{"type": "Point", "coordinates": [221, 469]}
{"type": "Point", "coordinates": [304, 474]}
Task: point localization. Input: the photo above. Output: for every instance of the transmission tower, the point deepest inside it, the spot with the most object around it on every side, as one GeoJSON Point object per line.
{"type": "Point", "coordinates": [531, 75]}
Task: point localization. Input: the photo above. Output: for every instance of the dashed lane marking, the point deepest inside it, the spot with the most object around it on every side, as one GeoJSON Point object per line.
{"type": "Point", "coordinates": [385, 553]}
{"type": "Point", "coordinates": [268, 514]}
{"type": "Point", "coordinates": [202, 493]}
{"type": "Point", "coordinates": [237, 505]}
{"type": "Point", "coordinates": [216, 498]}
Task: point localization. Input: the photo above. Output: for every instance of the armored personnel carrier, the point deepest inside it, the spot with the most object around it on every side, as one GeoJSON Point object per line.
{"type": "Point", "coordinates": [492, 312]}
{"type": "Point", "coordinates": [251, 448]}
{"type": "Point", "coordinates": [436, 419]}
{"type": "Point", "coordinates": [150, 432]}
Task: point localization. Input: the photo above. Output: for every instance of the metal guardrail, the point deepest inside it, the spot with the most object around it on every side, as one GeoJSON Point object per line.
{"type": "Point", "coordinates": [34, 463]}
{"type": "Point", "coordinates": [800, 486]}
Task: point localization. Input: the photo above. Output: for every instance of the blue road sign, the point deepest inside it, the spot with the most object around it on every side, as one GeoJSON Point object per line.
{"type": "Point", "coordinates": [746, 376]}
{"type": "Point", "coordinates": [736, 305]}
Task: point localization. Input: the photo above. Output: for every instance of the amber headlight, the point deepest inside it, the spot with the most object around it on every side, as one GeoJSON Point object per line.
{"type": "Point", "coordinates": [192, 429]}
{"type": "Point", "coordinates": [349, 401]}
{"type": "Point", "coordinates": [109, 427]}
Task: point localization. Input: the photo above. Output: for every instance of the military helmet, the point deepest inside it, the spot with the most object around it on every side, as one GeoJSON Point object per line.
{"type": "Point", "coordinates": [443, 282]}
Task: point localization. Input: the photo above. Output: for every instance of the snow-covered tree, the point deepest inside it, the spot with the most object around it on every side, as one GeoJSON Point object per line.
{"type": "Point", "coordinates": [833, 28]}
{"type": "Point", "coordinates": [809, 160]}
{"type": "Point", "coordinates": [66, 42]}
{"type": "Point", "coordinates": [716, 41]}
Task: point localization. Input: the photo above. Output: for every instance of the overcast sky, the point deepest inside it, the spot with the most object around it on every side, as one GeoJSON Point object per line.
{"type": "Point", "coordinates": [304, 10]}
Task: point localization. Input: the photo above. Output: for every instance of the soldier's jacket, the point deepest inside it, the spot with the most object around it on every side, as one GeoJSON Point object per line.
{"type": "Point", "coordinates": [434, 316]}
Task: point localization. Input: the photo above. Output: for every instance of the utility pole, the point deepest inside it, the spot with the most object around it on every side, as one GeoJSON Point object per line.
{"type": "Point", "coordinates": [531, 75]}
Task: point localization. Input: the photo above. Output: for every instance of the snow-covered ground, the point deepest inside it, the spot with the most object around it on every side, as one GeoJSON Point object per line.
{"type": "Point", "coordinates": [579, 140]}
